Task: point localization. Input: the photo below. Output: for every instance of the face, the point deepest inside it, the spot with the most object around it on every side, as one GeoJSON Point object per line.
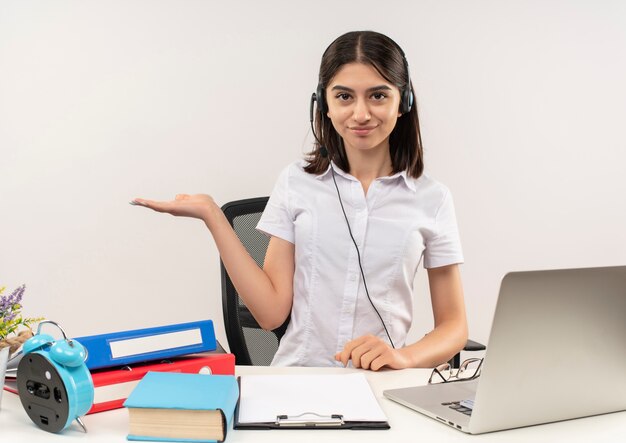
{"type": "Point", "coordinates": [363, 107]}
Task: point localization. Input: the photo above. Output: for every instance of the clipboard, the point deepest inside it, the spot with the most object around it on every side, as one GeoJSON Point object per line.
{"type": "Point", "coordinates": [335, 401]}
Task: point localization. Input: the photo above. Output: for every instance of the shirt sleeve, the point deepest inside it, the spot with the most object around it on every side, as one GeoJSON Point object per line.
{"type": "Point", "coordinates": [276, 219]}
{"type": "Point", "coordinates": [444, 246]}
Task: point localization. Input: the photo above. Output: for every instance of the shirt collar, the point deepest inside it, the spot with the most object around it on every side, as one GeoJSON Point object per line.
{"type": "Point", "coordinates": [409, 183]}
{"type": "Point", "coordinates": [337, 169]}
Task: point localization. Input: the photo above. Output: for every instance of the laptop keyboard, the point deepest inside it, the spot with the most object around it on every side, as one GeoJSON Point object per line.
{"type": "Point", "coordinates": [462, 406]}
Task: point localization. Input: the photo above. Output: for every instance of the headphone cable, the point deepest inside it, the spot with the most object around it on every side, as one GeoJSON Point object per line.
{"type": "Point", "coordinates": [358, 254]}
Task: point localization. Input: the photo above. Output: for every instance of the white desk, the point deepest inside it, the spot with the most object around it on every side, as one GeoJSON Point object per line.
{"type": "Point", "coordinates": [406, 425]}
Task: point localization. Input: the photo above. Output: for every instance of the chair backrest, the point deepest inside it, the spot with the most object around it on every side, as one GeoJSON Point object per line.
{"type": "Point", "coordinates": [250, 344]}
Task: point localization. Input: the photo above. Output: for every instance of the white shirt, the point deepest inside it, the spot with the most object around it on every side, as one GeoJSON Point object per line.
{"type": "Point", "coordinates": [398, 222]}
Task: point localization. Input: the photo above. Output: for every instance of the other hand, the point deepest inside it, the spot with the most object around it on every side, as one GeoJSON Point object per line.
{"type": "Point", "coordinates": [370, 352]}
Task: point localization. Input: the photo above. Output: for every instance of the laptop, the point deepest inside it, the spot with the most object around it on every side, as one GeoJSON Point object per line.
{"type": "Point", "coordinates": [557, 351]}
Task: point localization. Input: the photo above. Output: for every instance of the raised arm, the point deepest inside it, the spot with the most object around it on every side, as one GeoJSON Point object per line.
{"type": "Point", "coordinates": [267, 292]}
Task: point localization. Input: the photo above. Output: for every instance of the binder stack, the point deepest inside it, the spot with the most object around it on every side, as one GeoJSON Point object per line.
{"type": "Point", "coordinates": [119, 360]}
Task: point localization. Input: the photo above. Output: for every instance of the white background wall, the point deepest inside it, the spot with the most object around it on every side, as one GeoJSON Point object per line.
{"type": "Point", "coordinates": [522, 106]}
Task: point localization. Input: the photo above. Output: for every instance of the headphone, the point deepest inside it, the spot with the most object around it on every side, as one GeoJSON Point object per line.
{"type": "Point", "coordinates": [406, 93]}
{"type": "Point", "coordinates": [53, 382]}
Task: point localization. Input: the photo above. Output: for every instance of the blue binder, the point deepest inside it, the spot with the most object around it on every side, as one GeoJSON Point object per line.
{"type": "Point", "coordinates": [158, 343]}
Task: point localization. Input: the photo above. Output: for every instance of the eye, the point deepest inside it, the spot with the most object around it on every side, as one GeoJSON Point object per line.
{"type": "Point", "coordinates": [378, 96]}
{"type": "Point", "coordinates": [343, 96]}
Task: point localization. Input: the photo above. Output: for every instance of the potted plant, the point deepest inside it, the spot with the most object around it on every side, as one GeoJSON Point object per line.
{"type": "Point", "coordinates": [14, 328]}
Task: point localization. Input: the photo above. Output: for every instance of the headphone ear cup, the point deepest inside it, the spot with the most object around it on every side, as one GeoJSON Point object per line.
{"type": "Point", "coordinates": [407, 100]}
{"type": "Point", "coordinates": [320, 97]}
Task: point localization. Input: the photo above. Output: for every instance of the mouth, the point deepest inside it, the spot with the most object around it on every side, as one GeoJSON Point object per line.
{"type": "Point", "coordinates": [362, 130]}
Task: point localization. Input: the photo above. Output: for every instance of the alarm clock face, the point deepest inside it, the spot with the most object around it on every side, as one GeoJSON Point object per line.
{"type": "Point", "coordinates": [42, 392]}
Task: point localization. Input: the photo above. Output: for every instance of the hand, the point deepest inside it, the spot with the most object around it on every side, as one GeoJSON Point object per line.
{"type": "Point", "coordinates": [196, 206]}
{"type": "Point", "coordinates": [370, 352]}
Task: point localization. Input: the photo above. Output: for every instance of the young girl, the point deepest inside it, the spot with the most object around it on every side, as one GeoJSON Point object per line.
{"type": "Point", "coordinates": [349, 226]}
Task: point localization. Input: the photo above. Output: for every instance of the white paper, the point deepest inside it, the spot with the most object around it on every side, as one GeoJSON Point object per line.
{"type": "Point", "coordinates": [264, 397]}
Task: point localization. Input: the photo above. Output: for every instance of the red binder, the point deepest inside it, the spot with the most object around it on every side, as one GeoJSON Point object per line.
{"type": "Point", "coordinates": [10, 385]}
{"type": "Point", "coordinates": [113, 386]}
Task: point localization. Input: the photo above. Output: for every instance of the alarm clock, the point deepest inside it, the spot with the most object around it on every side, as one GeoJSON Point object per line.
{"type": "Point", "coordinates": [53, 382]}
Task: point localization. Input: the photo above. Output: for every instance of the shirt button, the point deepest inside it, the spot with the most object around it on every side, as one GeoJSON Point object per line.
{"type": "Point", "coordinates": [352, 276]}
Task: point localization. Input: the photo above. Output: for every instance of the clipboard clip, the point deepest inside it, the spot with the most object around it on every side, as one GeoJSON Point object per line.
{"type": "Point", "coordinates": [310, 420]}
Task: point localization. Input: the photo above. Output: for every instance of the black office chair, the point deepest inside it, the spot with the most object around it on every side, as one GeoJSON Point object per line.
{"type": "Point", "coordinates": [251, 344]}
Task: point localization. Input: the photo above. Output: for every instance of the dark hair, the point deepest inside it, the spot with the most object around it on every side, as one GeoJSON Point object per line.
{"type": "Point", "coordinates": [384, 55]}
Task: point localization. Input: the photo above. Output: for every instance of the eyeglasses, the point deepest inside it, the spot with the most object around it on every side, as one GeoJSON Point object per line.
{"type": "Point", "coordinates": [444, 373]}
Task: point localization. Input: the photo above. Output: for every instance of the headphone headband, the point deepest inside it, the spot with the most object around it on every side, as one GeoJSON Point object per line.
{"type": "Point", "coordinates": [406, 93]}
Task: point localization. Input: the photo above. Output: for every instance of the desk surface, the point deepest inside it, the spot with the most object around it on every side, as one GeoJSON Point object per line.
{"type": "Point", "coordinates": [406, 425]}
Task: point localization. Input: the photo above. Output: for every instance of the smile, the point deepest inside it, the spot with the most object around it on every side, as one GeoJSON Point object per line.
{"type": "Point", "coordinates": [362, 130]}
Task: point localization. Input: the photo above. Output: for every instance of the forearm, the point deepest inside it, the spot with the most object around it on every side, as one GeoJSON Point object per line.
{"type": "Point", "coordinates": [438, 346]}
{"type": "Point", "coordinates": [269, 307]}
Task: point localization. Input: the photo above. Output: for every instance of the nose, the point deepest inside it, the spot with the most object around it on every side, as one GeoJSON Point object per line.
{"type": "Point", "coordinates": [361, 112]}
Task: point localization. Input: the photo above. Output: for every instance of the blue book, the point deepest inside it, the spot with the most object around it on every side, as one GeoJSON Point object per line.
{"type": "Point", "coordinates": [173, 406]}
{"type": "Point", "coordinates": [139, 345]}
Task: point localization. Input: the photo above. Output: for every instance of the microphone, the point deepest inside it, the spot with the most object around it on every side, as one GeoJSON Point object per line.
{"type": "Point", "coordinates": [313, 100]}
{"type": "Point", "coordinates": [322, 148]}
